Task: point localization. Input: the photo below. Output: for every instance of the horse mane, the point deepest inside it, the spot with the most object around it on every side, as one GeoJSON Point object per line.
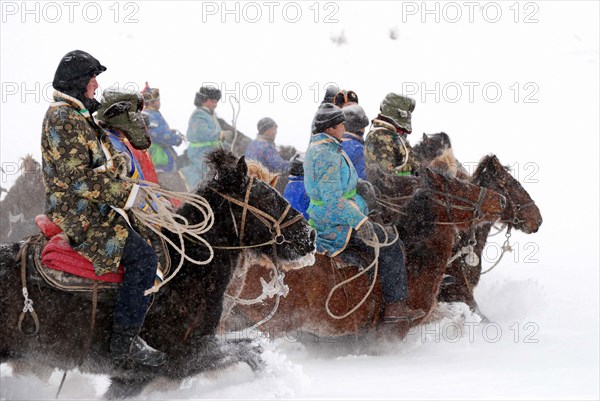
{"type": "Point", "coordinates": [258, 170]}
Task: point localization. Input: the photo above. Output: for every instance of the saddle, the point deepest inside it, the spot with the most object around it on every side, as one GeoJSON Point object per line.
{"type": "Point", "coordinates": [59, 266]}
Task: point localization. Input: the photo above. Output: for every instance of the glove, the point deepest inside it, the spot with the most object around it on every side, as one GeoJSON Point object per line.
{"type": "Point", "coordinates": [369, 194]}
{"type": "Point", "coordinates": [181, 137]}
{"type": "Point", "coordinates": [366, 232]}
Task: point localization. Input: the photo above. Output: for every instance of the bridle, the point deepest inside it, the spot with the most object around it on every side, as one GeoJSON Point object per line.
{"type": "Point", "coordinates": [275, 225]}
{"type": "Point", "coordinates": [475, 207]}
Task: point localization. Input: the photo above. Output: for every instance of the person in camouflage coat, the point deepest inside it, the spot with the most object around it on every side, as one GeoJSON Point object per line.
{"type": "Point", "coordinates": [87, 199]}
{"type": "Point", "coordinates": [386, 145]}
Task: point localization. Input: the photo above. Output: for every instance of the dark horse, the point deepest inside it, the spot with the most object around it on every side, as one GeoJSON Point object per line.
{"type": "Point", "coordinates": [428, 247]}
{"type": "Point", "coordinates": [185, 313]}
{"type": "Point", "coordinates": [521, 213]}
{"type": "Point", "coordinates": [23, 202]}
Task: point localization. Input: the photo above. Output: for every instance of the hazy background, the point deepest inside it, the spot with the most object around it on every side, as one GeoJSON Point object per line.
{"type": "Point", "coordinates": [518, 79]}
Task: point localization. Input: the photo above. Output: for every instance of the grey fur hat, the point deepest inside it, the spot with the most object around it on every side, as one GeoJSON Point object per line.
{"type": "Point", "coordinates": [356, 119]}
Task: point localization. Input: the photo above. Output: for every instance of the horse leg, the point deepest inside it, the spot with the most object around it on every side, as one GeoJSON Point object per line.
{"type": "Point", "coordinates": [219, 354]}
{"type": "Point", "coordinates": [126, 387]}
{"type": "Point", "coordinates": [475, 309]}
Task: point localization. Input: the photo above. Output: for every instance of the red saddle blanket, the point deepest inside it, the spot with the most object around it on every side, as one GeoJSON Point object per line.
{"type": "Point", "coordinates": [59, 255]}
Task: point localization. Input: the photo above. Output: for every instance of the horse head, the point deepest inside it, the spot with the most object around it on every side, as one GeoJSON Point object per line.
{"type": "Point", "coordinates": [431, 146]}
{"type": "Point", "coordinates": [263, 221]}
{"type": "Point", "coordinates": [521, 211]}
{"type": "Point", "coordinates": [461, 203]}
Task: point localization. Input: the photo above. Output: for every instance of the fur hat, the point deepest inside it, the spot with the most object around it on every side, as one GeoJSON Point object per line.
{"type": "Point", "coordinates": [399, 108]}
{"type": "Point", "coordinates": [205, 93]}
{"type": "Point", "coordinates": [328, 115]}
{"type": "Point", "coordinates": [150, 94]}
{"type": "Point", "coordinates": [356, 119]}
{"type": "Point", "coordinates": [74, 72]}
{"type": "Point", "coordinates": [121, 109]}
{"type": "Point", "coordinates": [344, 96]}
{"type": "Point", "coordinates": [264, 124]}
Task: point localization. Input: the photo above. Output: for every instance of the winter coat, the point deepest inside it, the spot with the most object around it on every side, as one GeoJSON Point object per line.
{"type": "Point", "coordinates": [330, 181]}
{"type": "Point", "coordinates": [263, 150]}
{"type": "Point", "coordinates": [388, 149]}
{"type": "Point", "coordinates": [354, 146]}
{"type": "Point", "coordinates": [163, 138]}
{"type": "Point", "coordinates": [203, 135]}
{"type": "Point", "coordinates": [83, 196]}
{"type": "Point", "coordinates": [295, 194]}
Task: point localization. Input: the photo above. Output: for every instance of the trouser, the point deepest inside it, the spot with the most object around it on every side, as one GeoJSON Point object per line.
{"type": "Point", "coordinates": [140, 262]}
{"type": "Point", "coordinates": [392, 270]}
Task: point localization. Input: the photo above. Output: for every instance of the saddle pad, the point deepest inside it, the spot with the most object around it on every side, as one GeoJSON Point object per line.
{"type": "Point", "coordinates": [59, 255]}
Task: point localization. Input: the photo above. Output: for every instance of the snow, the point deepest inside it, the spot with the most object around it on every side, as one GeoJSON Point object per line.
{"type": "Point", "coordinates": [543, 298]}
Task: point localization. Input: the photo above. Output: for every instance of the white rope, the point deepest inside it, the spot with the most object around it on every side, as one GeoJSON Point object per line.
{"type": "Point", "coordinates": [374, 242]}
{"type": "Point", "coordinates": [162, 217]}
{"type": "Point", "coordinates": [234, 118]}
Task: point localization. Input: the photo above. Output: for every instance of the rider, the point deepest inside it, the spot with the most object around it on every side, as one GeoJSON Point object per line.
{"type": "Point", "coordinates": [164, 138]}
{"type": "Point", "coordinates": [340, 215]}
{"type": "Point", "coordinates": [86, 198]}
{"type": "Point", "coordinates": [203, 134]}
{"type": "Point", "coordinates": [263, 148]}
{"type": "Point", "coordinates": [386, 145]}
{"type": "Point", "coordinates": [353, 141]}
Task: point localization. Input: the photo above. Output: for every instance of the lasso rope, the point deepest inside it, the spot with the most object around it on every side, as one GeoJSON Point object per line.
{"type": "Point", "coordinates": [375, 244]}
{"type": "Point", "coordinates": [162, 217]}
{"type": "Point", "coordinates": [234, 119]}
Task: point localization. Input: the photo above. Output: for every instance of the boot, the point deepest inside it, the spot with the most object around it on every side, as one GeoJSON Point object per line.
{"type": "Point", "coordinates": [127, 346]}
{"type": "Point", "coordinates": [398, 311]}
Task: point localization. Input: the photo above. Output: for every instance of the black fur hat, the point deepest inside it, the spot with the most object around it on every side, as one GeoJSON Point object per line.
{"type": "Point", "coordinates": [205, 93]}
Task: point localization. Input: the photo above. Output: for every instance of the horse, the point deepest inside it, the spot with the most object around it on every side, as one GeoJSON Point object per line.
{"type": "Point", "coordinates": [23, 202]}
{"type": "Point", "coordinates": [521, 213]}
{"type": "Point", "coordinates": [75, 333]}
{"type": "Point", "coordinates": [322, 296]}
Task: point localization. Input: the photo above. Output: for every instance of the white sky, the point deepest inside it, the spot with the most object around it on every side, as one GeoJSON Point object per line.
{"type": "Point", "coordinates": [549, 133]}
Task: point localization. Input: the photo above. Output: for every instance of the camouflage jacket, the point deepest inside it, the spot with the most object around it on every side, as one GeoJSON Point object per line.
{"type": "Point", "coordinates": [389, 150]}
{"type": "Point", "coordinates": [84, 196]}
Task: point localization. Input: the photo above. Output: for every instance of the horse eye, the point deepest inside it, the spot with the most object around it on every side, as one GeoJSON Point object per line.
{"type": "Point", "coordinates": [518, 207]}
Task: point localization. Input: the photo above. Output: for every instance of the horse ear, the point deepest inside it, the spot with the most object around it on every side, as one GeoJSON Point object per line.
{"type": "Point", "coordinates": [424, 136]}
{"type": "Point", "coordinates": [274, 180]}
{"type": "Point", "coordinates": [242, 167]}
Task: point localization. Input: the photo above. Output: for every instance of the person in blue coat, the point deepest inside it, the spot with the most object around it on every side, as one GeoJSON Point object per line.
{"type": "Point", "coordinates": [294, 191]}
{"type": "Point", "coordinates": [164, 157]}
{"type": "Point", "coordinates": [353, 141]}
{"type": "Point", "coordinates": [203, 134]}
{"type": "Point", "coordinates": [340, 215]}
{"type": "Point", "coordinates": [263, 149]}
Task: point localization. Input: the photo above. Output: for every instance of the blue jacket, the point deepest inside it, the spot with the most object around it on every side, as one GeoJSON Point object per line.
{"type": "Point", "coordinates": [295, 193]}
{"type": "Point", "coordinates": [263, 150]}
{"type": "Point", "coordinates": [354, 146]}
{"type": "Point", "coordinates": [330, 181]}
{"type": "Point", "coordinates": [203, 136]}
{"type": "Point", "coordinates": [162, 153]}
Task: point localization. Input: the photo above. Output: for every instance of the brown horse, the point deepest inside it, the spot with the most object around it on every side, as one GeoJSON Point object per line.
{"type": "Point", "coordinates": [23, 202]}
{"type": "Point", "coordinates": [521, 213]}
{"type": "Point", "coordinates": [74, 333]}
{"type": "Point", "coordinates": [306, 308]}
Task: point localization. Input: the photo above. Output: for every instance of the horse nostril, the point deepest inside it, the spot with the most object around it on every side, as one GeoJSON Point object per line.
{"type": "Point", "coordinates": [312, 235]}
{"type": "Point", "coordinates": [502, 202]}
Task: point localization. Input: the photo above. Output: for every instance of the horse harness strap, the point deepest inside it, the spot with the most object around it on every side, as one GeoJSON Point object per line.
{"type": "Point", "coordinates": [28, 303]}
{"type": "Point", "coordinates": [264, 217]}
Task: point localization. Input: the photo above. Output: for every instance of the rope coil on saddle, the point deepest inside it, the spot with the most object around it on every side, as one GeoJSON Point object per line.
{"type": "Point", "coordinates": [163, 217]}
{"type": "Point", "coordinates": [376, 245]}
